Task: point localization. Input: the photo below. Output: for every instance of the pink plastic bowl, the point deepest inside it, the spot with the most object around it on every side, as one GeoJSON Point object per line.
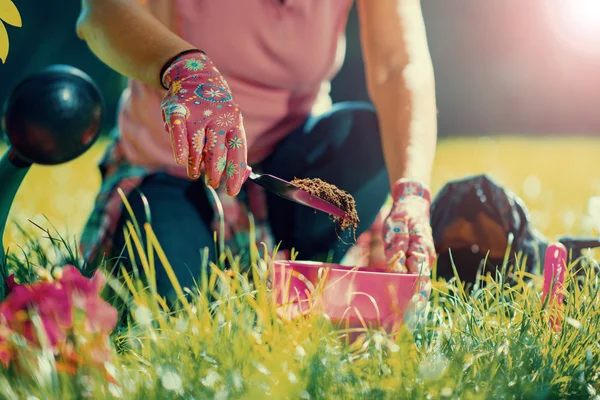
{"type": "Point", "coordinates": [350, 297]}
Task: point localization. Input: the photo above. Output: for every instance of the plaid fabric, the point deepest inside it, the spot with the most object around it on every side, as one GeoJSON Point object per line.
{"type": "Point", "coordinates": [96, 239]}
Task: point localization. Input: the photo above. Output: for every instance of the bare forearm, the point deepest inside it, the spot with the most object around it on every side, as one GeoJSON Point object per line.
{"type": "Point", "coordinates": [401, 85]}
{"type": "Point", "coordinates": [128, 38]}
{"type": "Point", "coordinates": [408, 124]}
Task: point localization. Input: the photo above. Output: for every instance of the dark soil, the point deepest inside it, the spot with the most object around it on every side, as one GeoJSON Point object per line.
{"type": "Point", "coordinates": [333, 195]}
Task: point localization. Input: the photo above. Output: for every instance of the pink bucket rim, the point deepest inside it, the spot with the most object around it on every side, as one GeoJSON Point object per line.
{"type": "Point", "coordinates": [343, 268]}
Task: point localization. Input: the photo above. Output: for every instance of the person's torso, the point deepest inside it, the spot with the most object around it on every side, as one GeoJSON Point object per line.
{"type": "Point", "coordinates": [277, 56]}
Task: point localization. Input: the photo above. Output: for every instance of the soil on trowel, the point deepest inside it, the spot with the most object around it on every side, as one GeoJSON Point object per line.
{"type": "Point", "coordinates": [333, 195]}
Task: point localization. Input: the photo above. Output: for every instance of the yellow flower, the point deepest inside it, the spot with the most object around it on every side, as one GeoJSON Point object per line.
{"type": "Point", "coordinates": [10, 15]}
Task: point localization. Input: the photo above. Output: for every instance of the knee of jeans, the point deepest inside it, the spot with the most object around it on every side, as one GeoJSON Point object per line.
{"type": "Point", "coordinates": [345, 127]}
{"type": "Point", "coordinates": [364, 114]}
{"type": "Point", "coordinates": [357, 117]}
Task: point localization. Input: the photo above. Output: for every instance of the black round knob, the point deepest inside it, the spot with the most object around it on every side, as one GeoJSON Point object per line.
{"type": "Point", "coordinates": [53, 116]}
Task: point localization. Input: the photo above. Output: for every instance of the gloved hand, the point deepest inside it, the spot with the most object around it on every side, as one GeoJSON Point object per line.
{"type": "Point", "coordinates": [407, 230]}
{"type": "Point", "coordinates": [205, 122]}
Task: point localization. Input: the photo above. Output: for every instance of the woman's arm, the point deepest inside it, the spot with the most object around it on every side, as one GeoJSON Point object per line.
{"type": "Point", "coordinates": [401, 84]}
{"type": "Point", "coordinates": [127, 38]}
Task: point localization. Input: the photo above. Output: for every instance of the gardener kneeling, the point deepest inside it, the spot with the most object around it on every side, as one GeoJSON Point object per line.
{"type": "Point", "coordinates": [271, 60]}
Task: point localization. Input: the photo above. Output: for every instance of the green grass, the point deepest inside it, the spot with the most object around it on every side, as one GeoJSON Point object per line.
{"type": "Point", "coordinates": [494, 342]}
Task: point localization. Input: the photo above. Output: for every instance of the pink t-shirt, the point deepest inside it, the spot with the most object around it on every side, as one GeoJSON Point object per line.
{"type": "Point", "coordinates": [277, 56]}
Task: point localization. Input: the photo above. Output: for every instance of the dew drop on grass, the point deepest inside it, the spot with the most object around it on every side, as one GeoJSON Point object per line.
{"type": "Point", "coordinates": [446, 392]}
{"type": "Point", "coordinates": [171, 380]}
{"type": "Point", "coordinates": [257, 337]}
{"type": "Point", "coordinates": [115, 391]}
{"type": "Point", "coordinates": [110, 369]}
{"type": "Point", "coordinates": [433, 367]}
{"type": "Point", "coordinates": [300, 352]}
{"type": "Point", "coordinates": [181, 325]}
{"type": "Point", "coordinates": [222, 394]}
{"type": "Point", "coordinates": [503, 349]}
{"type": "Point", "coordinates": [305, 395]}
{"type": "Point", "coordinates": [142, 315]}
{"type": "Point", "coordinates": [237, 380]}
{"type": "Point", "coordinates": [85, 382]}
{"type": "Point", "coordinates": [208, 358]}
{"type": "Point", "coordinates": [211, 379]}
{"type": "Point", "coordinates": [44, 371]}
{"type": "Point", "coordinates": [385, 369]}
{"type": "Point", "coordinates": [292, 377]}
{"type": "Point", "coordinates": [573, 322]}
{"type": "Point", "coordinates": [378, 340]}
{"type": "Point", "coordinates": [265, 388]}
{"type": "Point", "coordinates": [261, 368]}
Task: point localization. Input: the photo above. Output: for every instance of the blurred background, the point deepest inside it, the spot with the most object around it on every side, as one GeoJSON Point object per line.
{"type": "Point", "coordinates": [508, 73]}
{"type": "Point", "coordinates": [502, 66]}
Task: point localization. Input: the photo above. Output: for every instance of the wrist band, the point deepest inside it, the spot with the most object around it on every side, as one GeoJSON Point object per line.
{"type": "Point", "coordinates": [171, 60]}
{"type": "Point", "coordinates": [410, 187]}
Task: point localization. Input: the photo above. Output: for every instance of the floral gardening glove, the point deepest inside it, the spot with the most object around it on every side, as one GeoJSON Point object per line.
{"type": "Point", "coordinates": [407, 230]}
{"type": "Point", "coordinates": [204, 122]}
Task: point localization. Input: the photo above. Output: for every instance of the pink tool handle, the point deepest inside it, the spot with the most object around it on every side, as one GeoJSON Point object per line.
{"type": "Point", "coordinates": [554, 278]}
{"type": "Point", "coordinates": [554, 271]}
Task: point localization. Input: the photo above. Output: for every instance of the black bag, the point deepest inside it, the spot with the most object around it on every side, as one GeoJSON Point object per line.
{"type": "Point", "coordinates": [473, 217]}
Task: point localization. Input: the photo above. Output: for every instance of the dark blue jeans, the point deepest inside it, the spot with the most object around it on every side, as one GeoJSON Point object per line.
{"type": "Point", "coordinates": [341, 147]}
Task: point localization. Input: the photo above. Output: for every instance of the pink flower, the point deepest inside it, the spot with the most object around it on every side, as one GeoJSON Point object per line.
{"type": "Point", "coordinates": [85, 293]}
{"type": "Point", "coordinates": [48, 299]}
{"type": "Point", "coordinates": [56, 303]}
